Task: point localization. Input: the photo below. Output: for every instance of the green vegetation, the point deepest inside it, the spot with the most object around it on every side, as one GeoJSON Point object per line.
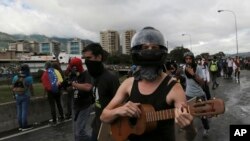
{"type": "Point", "coordinates": [7, 96]}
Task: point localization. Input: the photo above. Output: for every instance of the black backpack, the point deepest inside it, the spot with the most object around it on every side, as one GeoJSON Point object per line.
{"type": "Point", "coordinates": [19, 86]}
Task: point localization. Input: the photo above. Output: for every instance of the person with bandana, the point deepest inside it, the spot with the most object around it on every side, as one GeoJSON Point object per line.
{"type": "Point", "coordinates": [195, 83]}
{"type": "Point", "coordinates": [150, 85]}
{"type": "Point", "coordinates": [81, 89]}
{"type": "Point", "coordinates": [172, 68]}
{"type": "Point", "coordinates": [105, 82]}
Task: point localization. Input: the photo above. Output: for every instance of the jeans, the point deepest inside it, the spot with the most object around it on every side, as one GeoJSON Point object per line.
{"type": "Point", "coordinates": [81, 119]}
{"type": "Point", "coordinates": [22, 103]}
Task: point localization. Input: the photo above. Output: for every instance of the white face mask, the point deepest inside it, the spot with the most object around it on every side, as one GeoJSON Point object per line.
{"type": "Point", "coordinates": [199, 61]}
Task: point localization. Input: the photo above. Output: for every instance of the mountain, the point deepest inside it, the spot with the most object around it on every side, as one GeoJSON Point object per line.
{"type": "Point", "coordinates": [33, 37]}
{"type": "Point", "coordinates": [242, 54]}
{"type": "Point", "coordinates": [5, 39]}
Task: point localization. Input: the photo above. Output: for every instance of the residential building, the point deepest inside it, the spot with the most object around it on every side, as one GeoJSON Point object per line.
{"type": "Point", "coordinates": [34, 47]}
{"type": "Point", "coordinates": [20, 46]}
{"type": "Point", "coordinates": [127, 37]}
{"type": "Point", "coordinates": [75, 46]}
{"type": "Point", "coordinates": [49, 47]}
{"type": "Point", "coordinates": [110, 41]}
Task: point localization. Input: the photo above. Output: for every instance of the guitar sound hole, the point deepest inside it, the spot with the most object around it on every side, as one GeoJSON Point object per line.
{"type": "Point", "coordinates": [133, 121]}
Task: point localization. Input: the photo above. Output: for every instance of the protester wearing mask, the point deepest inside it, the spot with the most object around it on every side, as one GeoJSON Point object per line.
{"type": "Point", "coordinates": [150, 86]}
{"type": "Point", "coordinates": [105, 82]}
{"type": "Point", "coordinates": [172, 68]}
{"type": "Point", "coordinates": [80, 81]}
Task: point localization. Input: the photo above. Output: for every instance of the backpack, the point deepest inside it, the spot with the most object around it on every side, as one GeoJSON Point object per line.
{"type": "Point", "coordinates": [19, 86]}
{"type": "Point", "coordinates": [49, 80]}
{"type": "Point", "coordinates": [213, 66]}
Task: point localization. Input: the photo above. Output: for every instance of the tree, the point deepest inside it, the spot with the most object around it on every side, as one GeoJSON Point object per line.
{"type": "Point", "coordinates": [119, 59]}
{"type": "Point", "coordinates": [177, 54]}
{"type": "Point", "coordinates": [205, 55]}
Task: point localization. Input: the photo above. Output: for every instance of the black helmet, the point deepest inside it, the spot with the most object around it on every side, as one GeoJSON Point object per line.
{"type": "Point", "coordinates": [148, 35]}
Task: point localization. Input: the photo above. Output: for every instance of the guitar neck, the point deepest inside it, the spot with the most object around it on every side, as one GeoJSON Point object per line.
{"type": "Point", "coordinates": [160, 115]}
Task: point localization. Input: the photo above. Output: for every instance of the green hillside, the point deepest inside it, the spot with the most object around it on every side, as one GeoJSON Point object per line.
{"type": "Point", "coordinates": [5, 39]}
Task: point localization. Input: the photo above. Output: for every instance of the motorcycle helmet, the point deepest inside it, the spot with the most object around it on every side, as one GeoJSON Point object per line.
{"type": "Point", "coordinates": [148, 35]}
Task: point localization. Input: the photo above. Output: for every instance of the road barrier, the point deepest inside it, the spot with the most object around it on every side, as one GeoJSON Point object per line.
{"type": "Point", "coordinates": [39, 111]}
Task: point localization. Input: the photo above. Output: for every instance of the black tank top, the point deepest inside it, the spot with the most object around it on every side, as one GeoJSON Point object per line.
{"type": "Point", "coordinates": [165, 130]}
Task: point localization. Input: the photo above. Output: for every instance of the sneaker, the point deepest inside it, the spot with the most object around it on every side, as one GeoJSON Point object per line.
{"type": "Point", "coordinates": [53, 124]}
{"type": "Point", "coordinates": [68, 116]}
{"type": "Point", "coordinates": [205, 133]}
{"type": "Point", "coordinates": [27, 128]}
{"type": "Point", "coordinates": [60, 119]}
{"type": "Point", "coordinates": [19, 129]}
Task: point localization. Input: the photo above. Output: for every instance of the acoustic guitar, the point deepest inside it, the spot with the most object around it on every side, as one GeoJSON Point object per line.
{"type": "Point", "coordinates": [122, 127]}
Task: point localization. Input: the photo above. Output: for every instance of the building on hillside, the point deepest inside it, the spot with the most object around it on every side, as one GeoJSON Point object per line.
{"type": "Point", "coordinates": [76, 46]}
{"type": "Point", "coordinates": [34, 47]}
{"type": "Point", "coordinates": [110, 41]}
{"type": "Point", "coordinates": [9, 54]}
{"type": "Point", "coordinates": [49, 47]}
{"type": "Point", "coordinates": [127, 37]}
{"type": "Point", "coordinates": [20, 46]}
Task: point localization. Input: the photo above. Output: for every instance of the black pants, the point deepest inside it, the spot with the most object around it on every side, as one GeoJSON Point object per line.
{"type": "Point", "coordinates": [204, 120]}
{"type": "Point", "coordinates": [206, 90]}
{"type": "Point", "coordinates": [55, 99]}
{"type": "Point", "coordinates": [214, 77]}
{"type": "Point", "coordinates": [69, 103]}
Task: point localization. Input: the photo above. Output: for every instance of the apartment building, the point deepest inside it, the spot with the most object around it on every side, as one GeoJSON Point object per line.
{"type": "Point", "coordinates": [20, 46]}
{"type": "Point", "coordinates": [127, 37]}
{"type": "Point", "coordinates": [75, 46]}
{"type": "Point", "coordinates": [49, 47]}
{"type": "Point", "coordinates": [110, 41]}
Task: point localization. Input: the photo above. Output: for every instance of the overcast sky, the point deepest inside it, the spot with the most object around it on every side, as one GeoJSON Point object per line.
{"type": "Point", "coordinates": [208, 30]}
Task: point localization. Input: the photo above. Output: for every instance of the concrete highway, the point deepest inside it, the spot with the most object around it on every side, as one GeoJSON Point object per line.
{"type": "Point", "coordinates": [236, 97]}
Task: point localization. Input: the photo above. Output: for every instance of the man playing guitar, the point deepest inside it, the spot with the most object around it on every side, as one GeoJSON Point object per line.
{"type": "Point", "coordinates": [150, 85]}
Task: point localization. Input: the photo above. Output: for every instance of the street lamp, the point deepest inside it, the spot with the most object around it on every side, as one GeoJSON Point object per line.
{"type": "Point", "coordinates": [190, 40]}
{"type": "Point", "coordinates": [235, 20]}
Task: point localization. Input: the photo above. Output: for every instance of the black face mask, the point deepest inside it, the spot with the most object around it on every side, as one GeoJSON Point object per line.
{"type": "Point", "coordinates": [95, 68]}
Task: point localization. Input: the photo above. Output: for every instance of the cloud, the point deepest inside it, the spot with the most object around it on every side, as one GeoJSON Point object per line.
{"type": "Point", "coordinates": [210, 31]}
